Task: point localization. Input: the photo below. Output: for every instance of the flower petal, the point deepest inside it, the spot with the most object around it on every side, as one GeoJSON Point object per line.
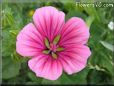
{"type": "Point", "coordinates": [29, 41]}
{"type": "Point", "coordinates": [49, 21]}
{"type": "Point", "coordinates": [75, 31]}
{"type": "Point", "coordinates": [46, 67]}
{"type": "Point", "coordinates": [74, 59]}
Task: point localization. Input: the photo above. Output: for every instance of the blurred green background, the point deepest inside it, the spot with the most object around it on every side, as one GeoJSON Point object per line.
{"type": "Point", "coordinates": [100, 67]}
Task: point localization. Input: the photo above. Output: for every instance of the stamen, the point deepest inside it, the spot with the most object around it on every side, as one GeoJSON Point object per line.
{"type": "Point", "coordinates": [54, 55]}
{"type": "Point", "coordinates": [46, 51]}
{"type": "Point", "coordinates": [47, 43]}
{"type": "Point", "coordinates": [52, 47]}
{"type": "Point", "coordinates": [60, 49]}
{"type": "Point", "coordinates": [56, 39]}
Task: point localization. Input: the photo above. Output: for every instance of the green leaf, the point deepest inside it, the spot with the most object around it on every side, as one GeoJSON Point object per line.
{"type": "Point", "coordinates": [91, 11]}
{"type": "Point", "coordinates": [17, 58]}
{"type": "Point", "coordinates": [31, 83]}
{"type": "Point", "coordinates": [34, 78]}
{"type": "Point", "coordinates": [10, 69]}
{"type": "Point", "coordinates": [64, 79]}
{"type": "Point", "coordinates": [107, 63]}
{"type": "Point", "coordinates": [7, 16]}
{"type": "Point", "coordinates": [89, 20]}
{"type": "Point", "coordinates": [107, 45]}
{"type": "Point", "coordinates": [50, 82]}
{"type": "Point", "coordinates": [75, 13]}
{"type": "Point", "coordinates": [98, 77]}
{"type": "Point", "coordinates": [67, 1]}
{"type": "Point", "coordinates": [80, 77]}
{"type": "Point", "coordinates": [14, 32]}
{"type": "Point", "coordinates": [8, 45]}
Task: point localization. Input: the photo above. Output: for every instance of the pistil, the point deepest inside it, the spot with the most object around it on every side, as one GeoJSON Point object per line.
{"type": "Point", "coordinates": [52, 48]}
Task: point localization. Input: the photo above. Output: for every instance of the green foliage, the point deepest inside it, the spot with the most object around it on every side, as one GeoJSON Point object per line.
{"type": "Point", "coordinates": [108, 45]}
{"type": "Point", "coordinates": [10, 68]}
{"type": "Point", "coordinates": [98, 77]}
{"type": "Point", "coordinates": [100, 67]}
{"type": "Point", "coordinates": [33, 78]}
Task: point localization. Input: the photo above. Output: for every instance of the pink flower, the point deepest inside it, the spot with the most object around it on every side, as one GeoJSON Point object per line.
{"type": "Point", "coordinates": [53, 44]}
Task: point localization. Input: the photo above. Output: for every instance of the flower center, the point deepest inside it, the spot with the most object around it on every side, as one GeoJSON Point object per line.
{"type": "Point", "coordinates": [52, 48]}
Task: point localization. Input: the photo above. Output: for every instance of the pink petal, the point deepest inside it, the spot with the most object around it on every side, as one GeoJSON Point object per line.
{"type": "Point", "coordinates": [48, 21]}
{"type": "Point", "coordinates": [29, 41]}
{"type": "Point", "coordinates": [75, 31]}
{"type": "Point", "coordinates": [75, 58]}
{"type": "Point", "coordinates": [46, 67]}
